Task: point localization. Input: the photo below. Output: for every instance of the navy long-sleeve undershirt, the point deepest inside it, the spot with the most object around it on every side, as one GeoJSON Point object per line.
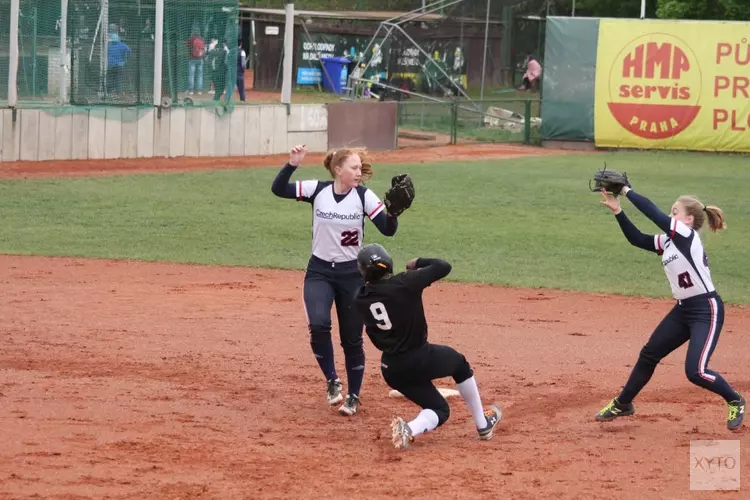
{"type": "Point", "coordinates": [650, 210]}
{"type": "Point", "coordinates": [633, 235]}
{"type": "Point", "coordinates": [428, 271]}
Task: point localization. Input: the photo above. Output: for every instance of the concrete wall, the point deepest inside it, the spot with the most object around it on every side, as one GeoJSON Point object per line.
{"type": "Point", "coordinates": [112, 132]}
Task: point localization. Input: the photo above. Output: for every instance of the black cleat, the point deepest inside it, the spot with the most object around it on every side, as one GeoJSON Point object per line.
{"type": "Point", "coordinates": [736, 413]}
{"type": "Point", "coordinates": [334, 391]}
{"type": "Point", "coordinates": [350, 406]}
{"type": "Point", "coordinates": [615, 409]}
{"type": "Point", "coordinates": [493, 415]}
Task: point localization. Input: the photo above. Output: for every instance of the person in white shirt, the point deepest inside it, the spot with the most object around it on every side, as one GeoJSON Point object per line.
{"type": "Point", "coordinates": [698, 315]}
{"type": "Point", "coordinates": [339, 209]}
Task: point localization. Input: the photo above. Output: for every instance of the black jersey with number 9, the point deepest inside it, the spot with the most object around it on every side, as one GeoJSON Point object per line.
{"type": "Point", "coordinates": [392, 308]}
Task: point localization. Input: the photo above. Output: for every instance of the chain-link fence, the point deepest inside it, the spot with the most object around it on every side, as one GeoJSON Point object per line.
{"type": "Point", "coordinates": [201, 43]}
{"type": "Point", "coordinates": [110, 51]}
{"type": "Point", "coordinates": [528, 35]}
{"type": "Point", "coordinates": [423, 122]}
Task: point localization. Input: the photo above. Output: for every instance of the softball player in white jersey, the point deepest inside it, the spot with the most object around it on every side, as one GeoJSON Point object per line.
{"type": "Point", "coordinates": [339, 209]}
{"type": "Point", "coordinates": [698, 315]}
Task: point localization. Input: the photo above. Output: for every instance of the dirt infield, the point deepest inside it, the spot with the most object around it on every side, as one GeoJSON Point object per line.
{"type": "Point", "coordinates": [144, 380]}
{"type": "Point", "coordinates": [163, 381]}
{"type": "Point", "coordinates": [71, 168]}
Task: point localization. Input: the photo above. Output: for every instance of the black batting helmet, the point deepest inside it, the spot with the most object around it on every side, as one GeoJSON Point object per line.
{"type": "Point", "coordinates": [374, 262]}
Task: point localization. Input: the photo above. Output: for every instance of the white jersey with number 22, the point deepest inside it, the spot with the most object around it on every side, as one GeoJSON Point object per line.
{"type": "Point", "coordinates": [338, 226]}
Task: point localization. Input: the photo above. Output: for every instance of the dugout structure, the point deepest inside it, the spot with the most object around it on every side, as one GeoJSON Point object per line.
{"type": "Point", "coordinates": [423, 61]}
{"type": "Point", "coordinates": [349, 33]}
{"type": "Point", "coordinates": [109, 52]}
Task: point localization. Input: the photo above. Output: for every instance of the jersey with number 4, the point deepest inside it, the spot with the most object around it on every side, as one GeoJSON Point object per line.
{"type": "Point", "coordinates": [684, 260]}
{"type": "Point", "coordinates": [338, 224]}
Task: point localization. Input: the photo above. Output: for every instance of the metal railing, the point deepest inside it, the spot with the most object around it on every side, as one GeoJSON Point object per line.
{"type": "Point", "coordinates": [490, 120]}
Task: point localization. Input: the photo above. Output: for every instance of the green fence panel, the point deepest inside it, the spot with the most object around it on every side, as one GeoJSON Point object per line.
{"type": "Point", "coordinates": [4, 47]}
{"type": "Point", "coordinates": [568, 81]}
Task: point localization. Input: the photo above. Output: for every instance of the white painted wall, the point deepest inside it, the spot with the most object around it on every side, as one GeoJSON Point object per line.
{"type": "Point", "coordinates": [109, 133]}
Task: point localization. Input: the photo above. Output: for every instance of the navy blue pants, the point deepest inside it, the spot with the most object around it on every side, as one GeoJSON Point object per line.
{"type": "Point", "coordinates": [697, 320]}
{"type": "Point", "coordinates": [241, 86]}
{"type": "Point", "coordinates": [325, 284]}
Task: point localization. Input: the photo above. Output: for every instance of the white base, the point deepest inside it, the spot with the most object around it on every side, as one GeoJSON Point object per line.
{"type": "Point", "coordinates": [445, 392]}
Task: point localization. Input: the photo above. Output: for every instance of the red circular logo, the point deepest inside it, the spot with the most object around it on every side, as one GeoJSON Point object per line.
{"type": "Point", "coordinates": [654, 86]}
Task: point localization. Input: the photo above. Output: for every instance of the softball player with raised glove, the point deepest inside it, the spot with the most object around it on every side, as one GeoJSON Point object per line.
{"type": "Point", "coordinates": [698, 315]}
{"type": "Point", "coordinates": [339, 209]}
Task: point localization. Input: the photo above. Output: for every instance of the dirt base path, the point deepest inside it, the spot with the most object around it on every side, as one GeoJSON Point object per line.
{"type": "Point", "coordinates": [27, 169]}
{"type": "Point", "coordinates": [144, 380]}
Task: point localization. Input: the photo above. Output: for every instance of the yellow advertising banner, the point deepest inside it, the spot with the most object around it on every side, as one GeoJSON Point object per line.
{"type": "Point", "coordinates": [673, 85]}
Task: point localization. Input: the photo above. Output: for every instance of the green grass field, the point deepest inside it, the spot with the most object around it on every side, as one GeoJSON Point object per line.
{"type": "Point", "coordinates": [529, 222]}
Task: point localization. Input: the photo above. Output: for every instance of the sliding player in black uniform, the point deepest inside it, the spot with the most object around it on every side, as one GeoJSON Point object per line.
{"type": "Point", "coordinates": [393, 313]}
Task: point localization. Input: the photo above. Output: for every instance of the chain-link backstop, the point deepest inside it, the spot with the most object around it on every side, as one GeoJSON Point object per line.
{"type": "Point", "coordinates": [110, 48]}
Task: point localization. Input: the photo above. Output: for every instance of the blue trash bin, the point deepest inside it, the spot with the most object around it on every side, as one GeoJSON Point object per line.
{"type": "Point", "coordinates": [334, 73]}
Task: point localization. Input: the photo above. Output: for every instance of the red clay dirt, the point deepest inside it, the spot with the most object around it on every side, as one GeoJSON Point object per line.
{"type": "Point", "coordinates": [130, 380]}
{"type": "Point", "coordinates": [149, 380]}
{"type": "Point", "coordinates": [80, 168]}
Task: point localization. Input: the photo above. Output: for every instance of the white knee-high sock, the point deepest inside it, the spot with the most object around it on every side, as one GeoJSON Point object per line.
{"type": "Point", "coordinates": [426, 421]}
{"type": "Point", "coordinates": [470, 392]}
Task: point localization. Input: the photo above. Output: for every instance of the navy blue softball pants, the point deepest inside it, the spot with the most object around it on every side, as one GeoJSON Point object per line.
{"type": "Point", "coordinates": [698, 321]}
{"type": "Point", "coordinates": [327, 283]}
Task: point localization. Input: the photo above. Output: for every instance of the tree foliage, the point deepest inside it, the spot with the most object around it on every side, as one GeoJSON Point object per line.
{"type": "Point", "coordinates": [614, 8]}
{"type": "Point", "coordinates": [336, 5]}
{"type": "Point", "coordinates": [731, 10]}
